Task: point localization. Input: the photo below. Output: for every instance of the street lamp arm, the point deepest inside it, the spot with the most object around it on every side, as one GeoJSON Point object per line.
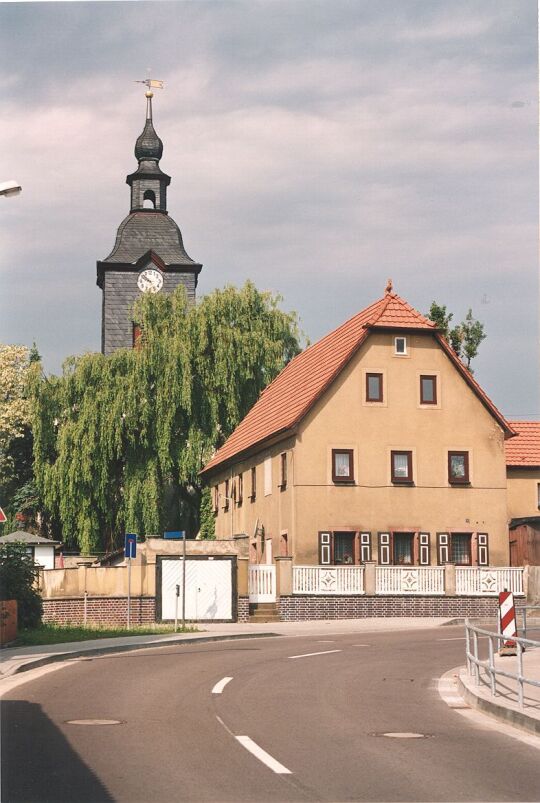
{"type": "Point", "coordinates": [8, 188]}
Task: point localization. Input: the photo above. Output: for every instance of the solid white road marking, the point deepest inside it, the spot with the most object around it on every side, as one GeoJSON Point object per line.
{"type": "Point", "coordinates": [263, 756]}
{"type": "Point", "coordinates": [476, 718]}
{"type": "Point", "coordinates": [220, 685]}
{"type": "Point", "coordinates": [309, 654]}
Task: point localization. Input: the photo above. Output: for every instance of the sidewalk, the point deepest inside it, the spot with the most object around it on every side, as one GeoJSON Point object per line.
{"type": "Point", "coordinates": [21, 659]}
{"type": "Point", "coordinates": [504, 705]}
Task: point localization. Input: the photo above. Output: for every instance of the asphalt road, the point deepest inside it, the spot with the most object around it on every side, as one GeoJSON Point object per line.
{"type": "Point", "coordinates": [317, 723]}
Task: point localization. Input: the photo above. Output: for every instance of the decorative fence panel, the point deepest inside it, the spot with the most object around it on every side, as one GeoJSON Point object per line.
{"type": "Point", "coordinates": [475, 582]}
{"type": "Point", "coordinates": [328, 580]}
{"type": "Point", "coordinates": [262, 583]}
{"type": "Point", "coordinates": [409, 580]}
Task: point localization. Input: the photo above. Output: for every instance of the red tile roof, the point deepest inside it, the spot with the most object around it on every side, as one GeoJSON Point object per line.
{"type": "Point", "coordinates": [524, 450]}
{"type": "Point", "coordinates": [293, 392]}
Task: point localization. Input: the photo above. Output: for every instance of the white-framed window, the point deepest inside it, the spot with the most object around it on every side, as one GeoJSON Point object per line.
{"type": "Point", "coordinates": [268, 476]}
{"type": "Point", "coordinates": [400, 346]}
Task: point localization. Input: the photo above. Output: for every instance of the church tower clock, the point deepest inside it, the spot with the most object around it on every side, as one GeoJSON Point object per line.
{"type": "Point", "coordinates": [148, 255]}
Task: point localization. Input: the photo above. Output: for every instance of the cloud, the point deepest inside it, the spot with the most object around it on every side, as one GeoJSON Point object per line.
{"type": "Point", "coordinates": [330, 143]}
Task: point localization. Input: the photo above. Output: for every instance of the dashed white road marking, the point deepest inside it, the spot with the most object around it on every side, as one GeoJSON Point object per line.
{"type": "Point", "coordinates": [220, 685]}
{"type": "Point", "coordinates": [454, 638]}
{"type": "Point", "coordinates": [309, 654]}
{"type": "Point", "coordinates": [326, 641]}
{"type": "Point", "coordinates": [229, 731]}
{"type": "Point", "coordinates": [263, 756]}
{"type": "Point", "coordinates": [360, 645]}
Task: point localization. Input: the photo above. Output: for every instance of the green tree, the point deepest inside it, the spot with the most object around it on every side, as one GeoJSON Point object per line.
{"type": "Point", "coordinates": [207, 518]}
{"type": "Point", "coordinates": [17, 581]}
{"type": "Point", "coordinates": [119, 440]}
{"type": "Point", "coordinates": [465, 338]}
{"type": "Point", "coordinates": [16, 434]}
{"type": "Point", "coordinates": [472, 335]}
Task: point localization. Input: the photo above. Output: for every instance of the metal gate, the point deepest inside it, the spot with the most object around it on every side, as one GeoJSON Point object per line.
{"type": "Point", "coordinates": [209, 589]}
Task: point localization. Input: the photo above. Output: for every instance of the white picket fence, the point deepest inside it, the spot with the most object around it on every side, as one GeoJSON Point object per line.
{"type": "Point", "coordinates": [406, 580]}
{"type": "Point", "coordinates": [262, 583]}
{"type": "Point", "coordinates": [328, 580]}
{"type": "Point", "coordinates": [409, 580]}
{"type": "Point", "coordinates": [488, 581]}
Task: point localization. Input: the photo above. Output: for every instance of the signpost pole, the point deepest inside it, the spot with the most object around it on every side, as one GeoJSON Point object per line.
{"type": "Point", "coordinates": [184, 583]}
{"type": "Point", "coordinates": [129, 594]}
{"type": "Point", "coordinates": [130, 551]}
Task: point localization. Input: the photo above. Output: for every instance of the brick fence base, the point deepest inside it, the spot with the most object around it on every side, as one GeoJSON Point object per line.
{"type": "Point", "coordinates": [99, 610]}
{"type": "Point", "coordinates": [243, 609]}
{"type": "Point", "coordinates": [113, 610]}
{"type": "Point", "coordinates": [299, 608]}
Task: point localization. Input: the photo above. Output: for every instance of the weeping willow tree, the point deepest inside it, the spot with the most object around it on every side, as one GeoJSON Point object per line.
{"type": "Point", "coordinates": [119, 440]}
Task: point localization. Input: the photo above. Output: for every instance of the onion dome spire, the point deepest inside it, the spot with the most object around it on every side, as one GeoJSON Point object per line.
{"type": "Point", "coordinates": [149, 183]}
{"type": "Point", "coordinates": [148, 145]}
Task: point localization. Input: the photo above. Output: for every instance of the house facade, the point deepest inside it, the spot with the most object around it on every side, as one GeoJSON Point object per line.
{"type": "Point", "coordinates": [373, 445]}
{"type": "Point", "coordinates": [523, 470]}
{"type": "Point", "coordinates": [523, 476]}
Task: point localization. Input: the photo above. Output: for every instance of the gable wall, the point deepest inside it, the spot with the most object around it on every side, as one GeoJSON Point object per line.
{"type": "Point", "coordinates": [343, 419]}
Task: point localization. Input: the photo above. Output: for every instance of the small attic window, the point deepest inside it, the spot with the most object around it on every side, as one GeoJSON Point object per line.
{"type": "Point", "coordinates": [400, 346]}
{"type": "Point", "coordinates": [149, 199]}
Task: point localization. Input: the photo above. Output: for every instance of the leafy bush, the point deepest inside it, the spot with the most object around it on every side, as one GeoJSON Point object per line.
{"type": "Point", "coordinates": [17, 581]}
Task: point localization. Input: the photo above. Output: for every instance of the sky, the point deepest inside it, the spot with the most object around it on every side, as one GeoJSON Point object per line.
{"type": "Point", "coordinates": [316, 148]}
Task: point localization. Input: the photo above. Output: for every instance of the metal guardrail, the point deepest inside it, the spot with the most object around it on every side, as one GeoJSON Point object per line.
{"type": "Point", "coordinates": [475, 663]}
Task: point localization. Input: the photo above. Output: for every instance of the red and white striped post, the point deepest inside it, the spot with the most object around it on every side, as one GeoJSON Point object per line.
{"type": "Point", "coordinates": [507, 619]}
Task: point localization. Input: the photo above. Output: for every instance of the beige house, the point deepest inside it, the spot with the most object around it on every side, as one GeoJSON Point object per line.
{"type": "Point", "coordinates": [523, 470]}
{"type": "Point", "coordinates": [523, 473]}
{"type": "Point", "coordinates": [374, 444]}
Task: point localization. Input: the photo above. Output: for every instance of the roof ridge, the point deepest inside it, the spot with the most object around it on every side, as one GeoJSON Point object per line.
{"type": "Point", "coordinates": [292, 393]}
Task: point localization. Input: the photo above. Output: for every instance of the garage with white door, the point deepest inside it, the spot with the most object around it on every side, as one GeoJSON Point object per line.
{"type": "Point", "coordinates": [210, 588]}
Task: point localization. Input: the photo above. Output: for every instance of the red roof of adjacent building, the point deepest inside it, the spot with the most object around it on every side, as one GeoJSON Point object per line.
{"type": "Point", "coordinates": [287, 399]}
{"type": "Point", "coordinates": [524, 450]}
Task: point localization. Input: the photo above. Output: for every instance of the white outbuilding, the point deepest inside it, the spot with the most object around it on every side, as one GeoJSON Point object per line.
{"type": "Point", "coordinates": [41, 549]}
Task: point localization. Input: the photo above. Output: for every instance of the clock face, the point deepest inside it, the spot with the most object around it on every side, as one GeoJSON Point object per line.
{"type": "Point", "coordinates": [150, 281]}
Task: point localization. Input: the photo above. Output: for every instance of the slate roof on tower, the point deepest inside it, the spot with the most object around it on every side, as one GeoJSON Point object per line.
{"type": "Point", "coordinates": [142, 231]}
{"type": "Point", "coordinates": [287, 399]}
{"type": "Point", "coordinates": [524, 450]}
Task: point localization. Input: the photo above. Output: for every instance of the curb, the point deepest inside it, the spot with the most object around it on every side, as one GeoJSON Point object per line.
{"type": "Point", "coordinates": [518, 719]}
{"type": "Point", "coordinates": [35, 663]}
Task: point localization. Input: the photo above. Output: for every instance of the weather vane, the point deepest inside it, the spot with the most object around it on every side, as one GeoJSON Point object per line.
{"type": "Point", "coordinates": [151, 83]}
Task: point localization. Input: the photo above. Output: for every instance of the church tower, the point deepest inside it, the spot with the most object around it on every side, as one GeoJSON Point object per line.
{"type": "Point", "coordinates": [148, 255]}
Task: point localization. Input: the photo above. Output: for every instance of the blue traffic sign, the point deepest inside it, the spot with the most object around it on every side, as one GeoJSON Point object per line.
{"type": "Point", "coordinates": [130, 545]}
{"type": "Point", "coordinates": [174, 535]}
